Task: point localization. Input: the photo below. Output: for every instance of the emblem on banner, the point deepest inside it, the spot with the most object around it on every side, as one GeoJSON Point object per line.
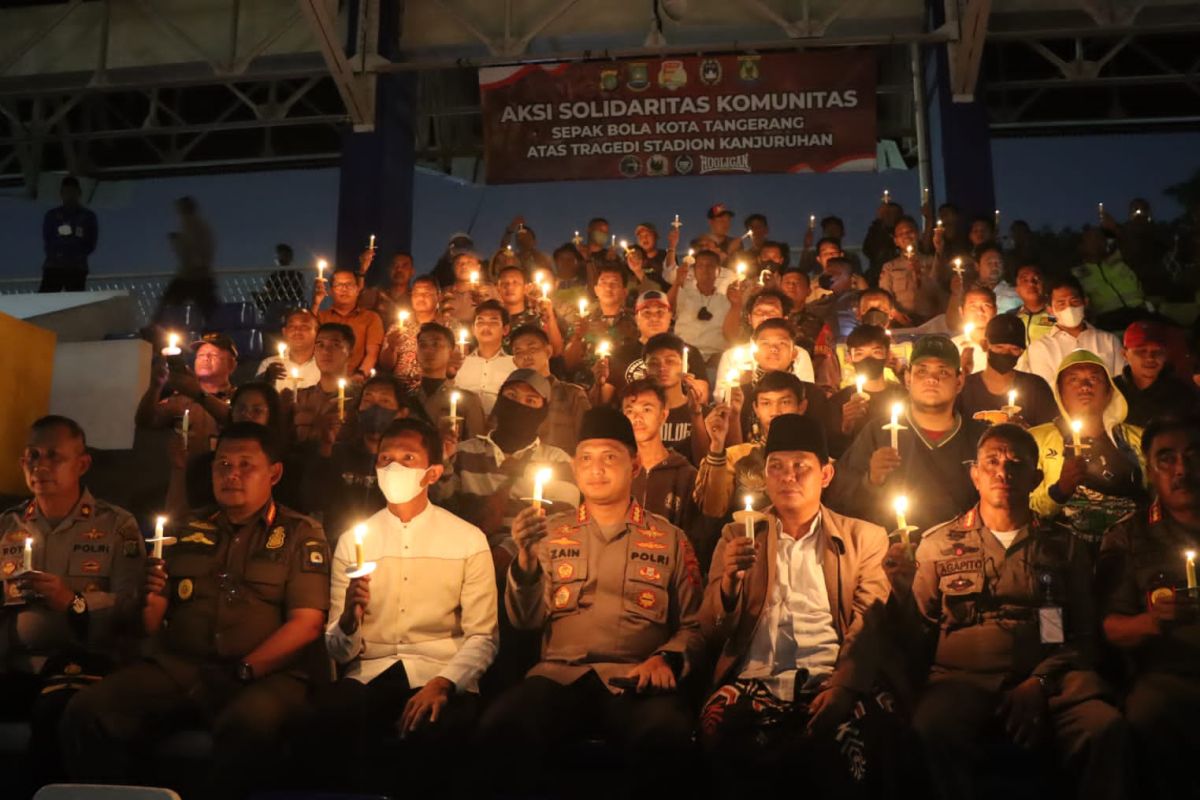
{"type": "Point", "coordinates": [710, 72]}
{"type": "Point", "coordinates": [631, 166]}
{"type": "Point", "coordinates": [672, 75]}
{"type": "Point", "coordinates": [639, 76]}
{"type": "Point", "coordinates": [684, 164]}
{"type": "Point", "coordinates": [608, 80]}
{"type": "Point", "coordinates": [657, 165]}
{"type": "Point", "coordinates": [748, 68]}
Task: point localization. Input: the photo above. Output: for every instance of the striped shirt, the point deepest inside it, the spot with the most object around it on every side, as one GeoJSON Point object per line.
{"type": "Point", "coordinates": [433, 601]}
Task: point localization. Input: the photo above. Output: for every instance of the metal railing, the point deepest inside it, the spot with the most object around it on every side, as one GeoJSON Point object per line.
{"type": "Point", "coordinates": [265, 288]}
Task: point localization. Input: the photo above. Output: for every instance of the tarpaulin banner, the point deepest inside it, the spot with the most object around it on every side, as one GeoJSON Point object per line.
{"type": "Point", "coordinates": [699, 115]}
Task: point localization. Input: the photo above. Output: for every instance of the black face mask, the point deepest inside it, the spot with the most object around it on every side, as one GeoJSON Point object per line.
{"type": "Point", "coordinates": [1003, 363]}
{"type": "Point", "coordinates": [516, 424]}
{"type": "Point", "coordinates": [375, 419]}
{"type": "Point", "coordinates": [871, 367]}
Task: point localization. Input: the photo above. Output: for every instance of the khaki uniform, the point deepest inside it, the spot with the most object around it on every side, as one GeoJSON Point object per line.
{"type": "Point", "coordinates": [202, 428]}
{"type": "Point", "coordinates": [608, 602]}
{"type": "Point", "coordinates": [98, 551]}
{"type": "Point", "coordinates": [230, 588]}
{"type": "Point", "coordinates": [313, 402]}
{"type": "Point", "coordinates": [1141, 556]}
{"type": "Point", "coordinates": [984, 602]}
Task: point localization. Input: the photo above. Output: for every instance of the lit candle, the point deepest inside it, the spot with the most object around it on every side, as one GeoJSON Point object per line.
{"type": "Point", "coordinates": [295, 380]}
{"type": "Point", "coordinates": [900, 504]}
{"type": "Point", "coordinates": [749, 516]}
{"type": "Point", "coordinates": [859, 380]}
{"type": "Point", "coordinates": [341, 399]}
{"type": "Point", "coordinates": [749, 234]}
{"type": "Point", "coordinates": [604, 348]}
{"type": "Point", "coordinates": [1100, 206]}
{"type": "Point", "coordinates": [282, 348]}
{"type": "Point", "coordinates": [360, 532]}
{"type": "Point", "coordinates": [939, 225]}
{"type": "Point", "coordinates": [371, 374]}
{"type": "Point", "coordinates": [685, 358]}
{"type": "Point", "coordinates": [739, 357]}
{"type": "Point", "coordinates": [545, 291]}
{"type": "Point", "coordinates": [27, 564]}
{"type": "Point", "coordinates": [1076, 429]}
{"type": "Point", "coordinates": [508, 248]}
{"type": "Point", "coordinates": [741, 270]}
{"type": "Point", "coordinates": [538, 277]}
{"type": "Point", "coordinates": [895, 425]}
{"type": "Point", "coordinates": [958, 267]}
{"type": "Point", "coordinates": [996, 219]}
{"type": "Point", "coordinates": [540, 479]}
{"type": "Point", "coordinates": [172, 348]}
{"type": "Point", "coordinates": [454, 398]}
{"type": "Point", "coordinates": [1012, 398]}
{"type": "Point", "coordinates": [185, 426]}
{"type": "Point", "coordinates": [371, 246]}
{"type": "Point", "coordinates": [908, 251]}
{"type": "Point", "coordinates": [676, 223]}
{"type": "Point", "coordinates": [474, 277]}
{"type": "Point", "coordinates": [1191, 565]}
{"type": "Point", "coordinates": [924, 195]}
{"type": "Point", "coordinates": [321, 265]}
{"type": "Point", "coordinates": [577, 238]}
{"type": "Point", "coordinates": [968, 329]}
{"type": "Point", "coordinates": [812, 222]}
{"type": "Point", "coordinates": [462, 340]}
{"type": "Point", "coordinates": [887, 197]}
{"type": "Point", "coordinates": [159, 524]}
{"type": "Point", "coordinates": [625, 246]}
{"type": "Point", "coordinates": [582, 307]}
{"type": "Point", "coordinates": [691, 256]}
{"type": "Point", "coordinates": [614, 241]}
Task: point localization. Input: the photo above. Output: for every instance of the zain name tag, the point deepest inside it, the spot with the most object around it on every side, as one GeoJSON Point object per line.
{"type": "Point", "coordinates": [1050, 625]}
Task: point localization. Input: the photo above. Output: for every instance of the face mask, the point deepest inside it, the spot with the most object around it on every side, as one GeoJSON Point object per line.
{"type": "Point", "coordinates": [871, 367]}
{"type": "Point", "coordinates": [399, 483]}
{"type": "Point", "coordinates": [1003, 363]}
{"type": "Point", "coordinates": [375, 419]}
{"type": "Point", "coordinates": [1070, 317]}
{"type": "Point", "coordinates": [516, 424]}
{"type": "Point", "coordinates": [876, 316]}
{"type": "Point", "coordinates": [599, 238]}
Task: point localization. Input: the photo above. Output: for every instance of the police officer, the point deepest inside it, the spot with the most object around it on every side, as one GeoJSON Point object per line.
{"type": "Point", "coordinates": [64, 622]}
{"type": "Point", "coordinates": [1009, 602]}
{"type": "Point", "coordinates": [1150, 615]}
{"type": "Point", "coordinates": [235, 612]}
{"type": "Point", "coordinates": [616, 593]}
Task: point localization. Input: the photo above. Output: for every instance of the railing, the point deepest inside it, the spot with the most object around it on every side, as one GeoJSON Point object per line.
{"type": "Point", "coordinates": [265, 288]}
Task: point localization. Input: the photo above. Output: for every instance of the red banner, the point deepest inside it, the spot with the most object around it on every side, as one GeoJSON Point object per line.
{"type": "Point", "coordinates": [699, 115]}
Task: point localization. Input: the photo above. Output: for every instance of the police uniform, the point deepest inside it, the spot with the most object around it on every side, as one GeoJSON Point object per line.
{"type": "Point", "coordinates": [1140, 559]}
{"type": "Point", "coordinates": [605, 601]}
{"type": "Point", "coordinates": [230, 587]}
{"type": "Point", "coordinates": [48, 655]}
{"type": "Point", "coordinates": [202, 427]}
{"type": "Point", "coordinates": [1003, 616]}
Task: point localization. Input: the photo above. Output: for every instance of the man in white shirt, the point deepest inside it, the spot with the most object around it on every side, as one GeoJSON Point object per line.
{"type": "Point", "coordinates": [766, 304]}
{"type": "Point", "coordinates": [1070, 332]}
{"type": "Point", "coordinates": [797, 609]}
{"type": "Point", "coordinates": [297, 367]}
{"type": "Point", "coordinates": [700, 307]}
{"type": "Point", "coordinates": [483, 372]}
{"type": "Point", "coordinates": [412, 637]}
{"type": "Point", "coordinates": [978, 308]}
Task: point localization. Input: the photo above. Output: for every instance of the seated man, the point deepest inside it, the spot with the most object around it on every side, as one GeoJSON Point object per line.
{"type": "Point", "coordinates": [413, 637]}
{"type": "Point", "coordinates": [663, 485]}
{"type": "Point", "coordinates": [1150, 615]}
{"type": "Point", "coordinates": [435, 355]}
{"type": "Point", "coordinates": [70, 617]}
{"type": "Point", "coordinates": [531, 349]}
{"type": "Point", "coordinates": [976, 311]}
{"type": "Point", "coordinates": [798, 613]}
{"type": "Point", "coordinates": [334, 393]}
{"type": "Point", "coordinates": [1004, 603]}
{"type": "Point", "coordinates": [763, 305]}
{"type": "Point", "coordinates": [483, 371]}
{"type": "Point", "coordinates": [201, 393]}
{"type": "Point", "coordinates": [1092, 478]}
{"type": "Point", "coordinates": [867, 349]}
{"type": "Point", "coordinates": [773, 349]}
{"type": "Point", "coordinates": [616, 594]}
{"type": "Point", "coordinates": [926, 465]}
{"type": "Point", "coordinates": [1070, 333]}
{"type": "Point", "coordinates": [297, 367]}
{"type": "Point", "coordinates": [235, 614]}
{"type": "Point", "coordinates": [985, 393]}
{"type": "Point", "coordinates": [1148, 382]}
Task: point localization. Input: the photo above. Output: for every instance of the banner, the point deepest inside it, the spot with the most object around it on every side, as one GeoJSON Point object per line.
{"type": "Point", "coordinates": [698, 115]}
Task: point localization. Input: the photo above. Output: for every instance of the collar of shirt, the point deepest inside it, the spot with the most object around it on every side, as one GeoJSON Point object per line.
{"type": "Point", "coordinates": [635, 517]}
{"type": "Point", "coordinates": [500, 455]}
{"type": "Point", "coordinates": [487, 359]}
{"type": "Point", "coordinates": [84, 509]}
{"type": "Point", "coordinates": [266, 515]}
{"type": "Point", "coordinates": [809, 539]}
{"type": "Point", "coordinates": [354, 312]}
{"type": "Point", "coordinates": [946, 437]}
{"type": "Point", "coordinates": [423, 517]}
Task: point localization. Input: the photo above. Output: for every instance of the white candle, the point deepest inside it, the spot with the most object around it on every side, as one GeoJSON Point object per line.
{"type": "Point", "coordinates": [968, 329]}
{"type": "Point", "coordinates": [474, 277]}
{"type": "Point", "coordinates": [545, 291]}
{"type": "Point", "coordinates": [462, 340]}
{"type": "Point", "coordinates": [812, 221]}
{"type": "Point", "coordinates": [1012, 398]}
{"type": "Point", "coordinates": [583, 304]}
{"type": "Point", "coordinates": [741, 270]}
{"type": "Point", "coordinates": [27, 563]}
{"type": "Point", "coordinates": [676, 223]}
{"type": "Point", "coordinates": [859, 381]}
{"type": "Point", "coordinates": [185, 426]}
{"type": "Point", "coordinates": [172, 348]}
{"type": "Point", "coordinates": [958, 267]}
{"type": "Point", "coordinates": [908, 251]}
{"type": "Point", "coordinates": [540, 479]}
{"type": "Point", "coordinates": [739, 357]}
{"type": "Point", "coordinates": [895, 426]}
{"type": "Point", "coordinates": [341, 399]}
{"type": "Point", "coordinates": [1190, 554]}
{"type": "Point", "coordinates": [508, 247]}
{"type": "Point", "coordinates": [996, 219]}
{"type": "Point", "coordinates": [360, 532]}
{"type": "Point", "coordinates": [372, 244]}
{"type": "Point", "coordinates": [403, 315]}
{"type": "Point", "coordinates": [282, 348]}
{"type": "Point", "coordinates": [887, 197]}
{"type": "Point", "coordinates": [749, 234]}
{"type": "Point", "coordinates": [1100, 207]}
{"type": "Point", "coordinates": [1076, 429]}
{"type": "Point", "coordinates": [295, 380]}
{"type": "Point", "coordinates": [321, 265]}
{"type": "Point", "coordinates": [691, 256]}
{"type": "Point", "coordinates": [685, 358]}
{"type": "Point", "coordinates": [939, 225]}
{"type": "Point", "coordinates": [454, 397]}
{"type": "Point", "coordinates": [604, 348]}
{"type": "Point", "coordinates": [625, 245]}
{"type": "Point", "coordinates": [749, 516]}
{"type": "Point", "coordinates": [577, 238]}
{"type": "Point", "coordinates": [159, 524]}
{"type": "Point", "coordinates": [900, 504]}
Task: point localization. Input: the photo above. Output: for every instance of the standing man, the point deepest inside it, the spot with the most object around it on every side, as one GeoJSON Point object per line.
{"type": "Point", "coordinates": [1006, 603]}
{"type": "Point", "coordinates": [1034, 311]}
{"type": "Point", "coordinates": [913, 278]}
{"type": "Point", "coordinates": [345, 310]}
{"type": "Point", "coordinates": [74, 616]}
{"type": "Point", "coordinates": [235, 613]}
{"type": "Point", "coordinates": [616, 594]}
{"type": "Point", "coordinates": [700, 307]}
{"type": "Point", "coordinates": [69, 235]}
{"type": "Point", "coordinates": [196, 248]}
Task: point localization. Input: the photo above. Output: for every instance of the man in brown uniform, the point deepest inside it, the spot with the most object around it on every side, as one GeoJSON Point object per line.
{"type": "Point", "coordinates": [235, 611]}
{"type": "Point", "coordinates": [1009, 601]}
{"type": "Point", "coordinates": [316, 406]}
{"type": "Point", "coordinates": [1151, 616]}
{"type": "Point", "coordinates": [616, 593]}
{"type": "Point", "coordinates": [203, 392]}
{"type": "Point", "coordinates": [66, 622]}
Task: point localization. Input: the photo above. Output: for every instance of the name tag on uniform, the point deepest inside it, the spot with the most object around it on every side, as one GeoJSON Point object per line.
{"type": "Point", "coordinates": [1050, 625]}
{"type": "Point", "coordinates": [64, 230]}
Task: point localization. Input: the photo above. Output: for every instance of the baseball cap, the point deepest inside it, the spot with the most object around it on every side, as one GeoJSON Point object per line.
{"type": "Point", "coordinates": [719, 210]}
{"type": "Point", "coordinates": [1006, 329]}
{"type": "Point", "coordinates": [936, 346]}
{"type": "Point", "coordinates": [1139, 334]}
{"type": "Point", "coordinates": [219, 340]}
{"type": "Point", "coordinates": [652, 296]}
{"type": "Point", "coordinates": [532, 379]}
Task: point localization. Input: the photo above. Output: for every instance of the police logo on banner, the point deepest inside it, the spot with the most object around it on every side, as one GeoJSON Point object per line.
{"type": "Point", "coordinates": [608, 80]}
{"type": "Point", "coordinates": [639, 77]}
{"type": "Point", "coordinates": [672, 75]}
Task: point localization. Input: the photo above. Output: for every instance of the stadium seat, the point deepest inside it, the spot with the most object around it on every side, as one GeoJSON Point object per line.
{"type": "Point", "coordinates": [231, 317]}
{"type": "Point", "coordinates": [249, 344]}
{"type": "Point", "coordinates": [85, 791]}
{"type": "Point", "coordinates": [186, 316]}
{"type": "Point", "coordinates": [273, 316]}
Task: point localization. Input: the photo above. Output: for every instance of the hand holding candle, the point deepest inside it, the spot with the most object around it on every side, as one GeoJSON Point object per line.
{"type": "Point", "coordinates": [371, 245]}
{"type": "Point", "coordinates": [676, 223]}
{"type": "Point", "coordinates": [604, 349]}
{"type": "Point", "coordinates": [322, 264]}
{"type": "Point", "coordinates": [1076, 439]}
{"type": "Point", "coordinates": [172, 348]}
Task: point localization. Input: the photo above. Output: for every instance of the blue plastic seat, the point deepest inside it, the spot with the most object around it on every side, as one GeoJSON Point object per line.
{"type": "Point", "coordinates": [249, 344]}
{"type": "Point", "coordinates": [231, 317]}
{"type": "Point", "coordinates": [185, 316]}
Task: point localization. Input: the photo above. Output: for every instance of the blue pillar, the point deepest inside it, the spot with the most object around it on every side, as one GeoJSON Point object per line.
{"type": "Point", "coordinates": [375, 193]}
{"type": "Point", "coordinates": [960, 139]}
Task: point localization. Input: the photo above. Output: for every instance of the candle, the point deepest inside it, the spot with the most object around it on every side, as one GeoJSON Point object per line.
{"type": "Point", "coordinates": [625, 246]}
{"type": "Point", "coordinates": [27, 564]}
{"type": "Point", "coordinates": [295, 380]}
{"type": "Point", "coordinates": [938, 224]}
{"type": "Point", "coordinates": [739, 357]}
{"type": "Point", "coordinates": [1076, 428]}
{"type": "Point", "coordinates": [183, 428]}
{"type": "Point", "coordinates": [577, 238]}
{"type": "Point", "coordinates": [539, 277]}
{"type": "Point", "coordinates": [614, 241]}
{"type": "Point", "coordinates": [508, 248]}
{"type": "Point", "coordinates": [462, 340]}
{"type": "Point", "coordinates": [996, 219]}
{"type": "Point", "coordinates": [900, 504]}
{"type": "Point", "coordinates": [159, 523]}
{"type": "Point", "coordinates": [282, 348]}
{"type": "Point", "coordinates": [859, 380]}
{"type": "Point", "coordinates": [1100, 206]}
{"type": "Point", "coordinates": [924, 195]}
{"type": "Point", "coordinates": [749, 516]}
{"type": "Point", "coordinates": [1191, 565]}
{"type": "Point", "coordinates": [895, 425]}
{"type": "Point", "coordinates": [474, 277]}
{"type": "Point", "coordinates": [582, 307]}
{"type": "Point", "coordinates": [360, 532]}
{"type": "Point", "coordinates": [685, 358]}
{"type": "Point", "coordinates": [749, 234]}
{"type": "Point", "coordinates": [968, 329]}
{"type": "Point", "coordinates": [321, 265]}
{"type": "Point", "coordinates": [741, 270]}
{"type": "Point", "coordinates": [1012, 398]}
{"type": "Point", "coordinates": [454, 398]}
{"type": "Point", "coordinates": [371, 246]}
{"type": "Point", "coordinates": [545, 291]}
{"type": "Point", "coordinates": [887, 197]}
{"type": "Point", "coordinates": [691, 256]}
{"type": "Point", "coordinates": [676, 223]}
{"type": "Point", "coordinates": [812, 221]}
{"type": "Point", "coordinates": [540, 479]}
{"type": "Point", "coordinates": [908, 251]}
{"type": "Point", "coordinates": [341, 399]}
{"type": "Point", "coordinates": [604, 348]}
{"type": "Point", "coordinates": [371, 374]}
{"type": "Point", "coordinates": [958, 267]}
{"type": "Point", "coordinates": [172, 348]}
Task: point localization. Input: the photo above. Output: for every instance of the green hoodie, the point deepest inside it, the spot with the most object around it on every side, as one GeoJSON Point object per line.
{"type": "Point", "coordinates": [1088, 512]}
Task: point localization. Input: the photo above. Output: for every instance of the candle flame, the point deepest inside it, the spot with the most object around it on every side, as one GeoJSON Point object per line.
{"type": "Point", "coordinates": [749, 502]}
{"type": "Point", "coordinates": [456, 396]}
{"type": "Point", "coordinates": [341, 383]}
{"type": "Point", "coordinates": [173, 340]}
{"type": "Point", "coordinates": [900, 504]}
{"type": "Point", "coordinates": [543, 475]}
{"type": "Point", "coordinates": [282, 349]}
{"type": "Point", "coordinates": [360, 531]}
{"type": "Point", "coordinates": [897, 408]}
{"type": "Point", "coordinates": [474, 276]}
{"type": "Point", "coordinates": [462, 335]}
{"type": "Point", "coordinates": [1191, 554]}
{"type": "Point", "coordinates": [1076, 425]}
{"type": "Point", "coordinates": [731, 377]}
{"type": "Point", "coordinates": [160, 521]}
{"type": "Point", "coordinates": [322, 265]}
{"type": "Point", "coordinates": [295, 372]}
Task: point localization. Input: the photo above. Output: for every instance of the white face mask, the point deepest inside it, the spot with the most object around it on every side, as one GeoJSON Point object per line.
{"type": "Point", "coordinates": [1070, 317]}
{"type": "Point", "coordinates": [398, 483]}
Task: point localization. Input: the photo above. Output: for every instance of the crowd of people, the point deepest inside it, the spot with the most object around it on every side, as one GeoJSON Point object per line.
{"type": "Point", "coordinates": [738, 516]}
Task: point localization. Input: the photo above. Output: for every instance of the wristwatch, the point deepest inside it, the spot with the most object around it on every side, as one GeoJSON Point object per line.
{"type": "Point", "coordinates": [674, 660]}
{"type": "Point", "coordinates": [79, 605]}
{"type": "Point", "coordinates": [1050, 684]}
{"type": "Point", "coordinates": [245, 672]}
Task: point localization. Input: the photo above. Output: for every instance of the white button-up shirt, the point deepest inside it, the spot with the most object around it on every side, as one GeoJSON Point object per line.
{"type": "Point", "coordinates": [1044, 355]}
{"type": "Point", "coordinates": [978, 357]}
{"type": "Point", "coordinates": [802, 366]}
{"type": "Point", "coordinates": [704, 334]}
{"type": "Point", "coordinates": [433, 600]}
{"type": "Point", "coordinates": [308, 374]}
{"type": "Point", "coordinates": [485, 376]}
{"type": "Point", "coordinates": [797, 631]}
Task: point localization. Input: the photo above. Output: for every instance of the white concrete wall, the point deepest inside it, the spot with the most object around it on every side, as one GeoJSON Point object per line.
{"type": "Point", "coordinates": [98, 384]}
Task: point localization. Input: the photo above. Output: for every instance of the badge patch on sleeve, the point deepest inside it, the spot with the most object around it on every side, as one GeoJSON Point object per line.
{"type": "Point", "coordinates": [316, 556]}
{"type": "Point", "coordinates": [131, 548]}
{"type": "Point", "coordinates": [184, 589]}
